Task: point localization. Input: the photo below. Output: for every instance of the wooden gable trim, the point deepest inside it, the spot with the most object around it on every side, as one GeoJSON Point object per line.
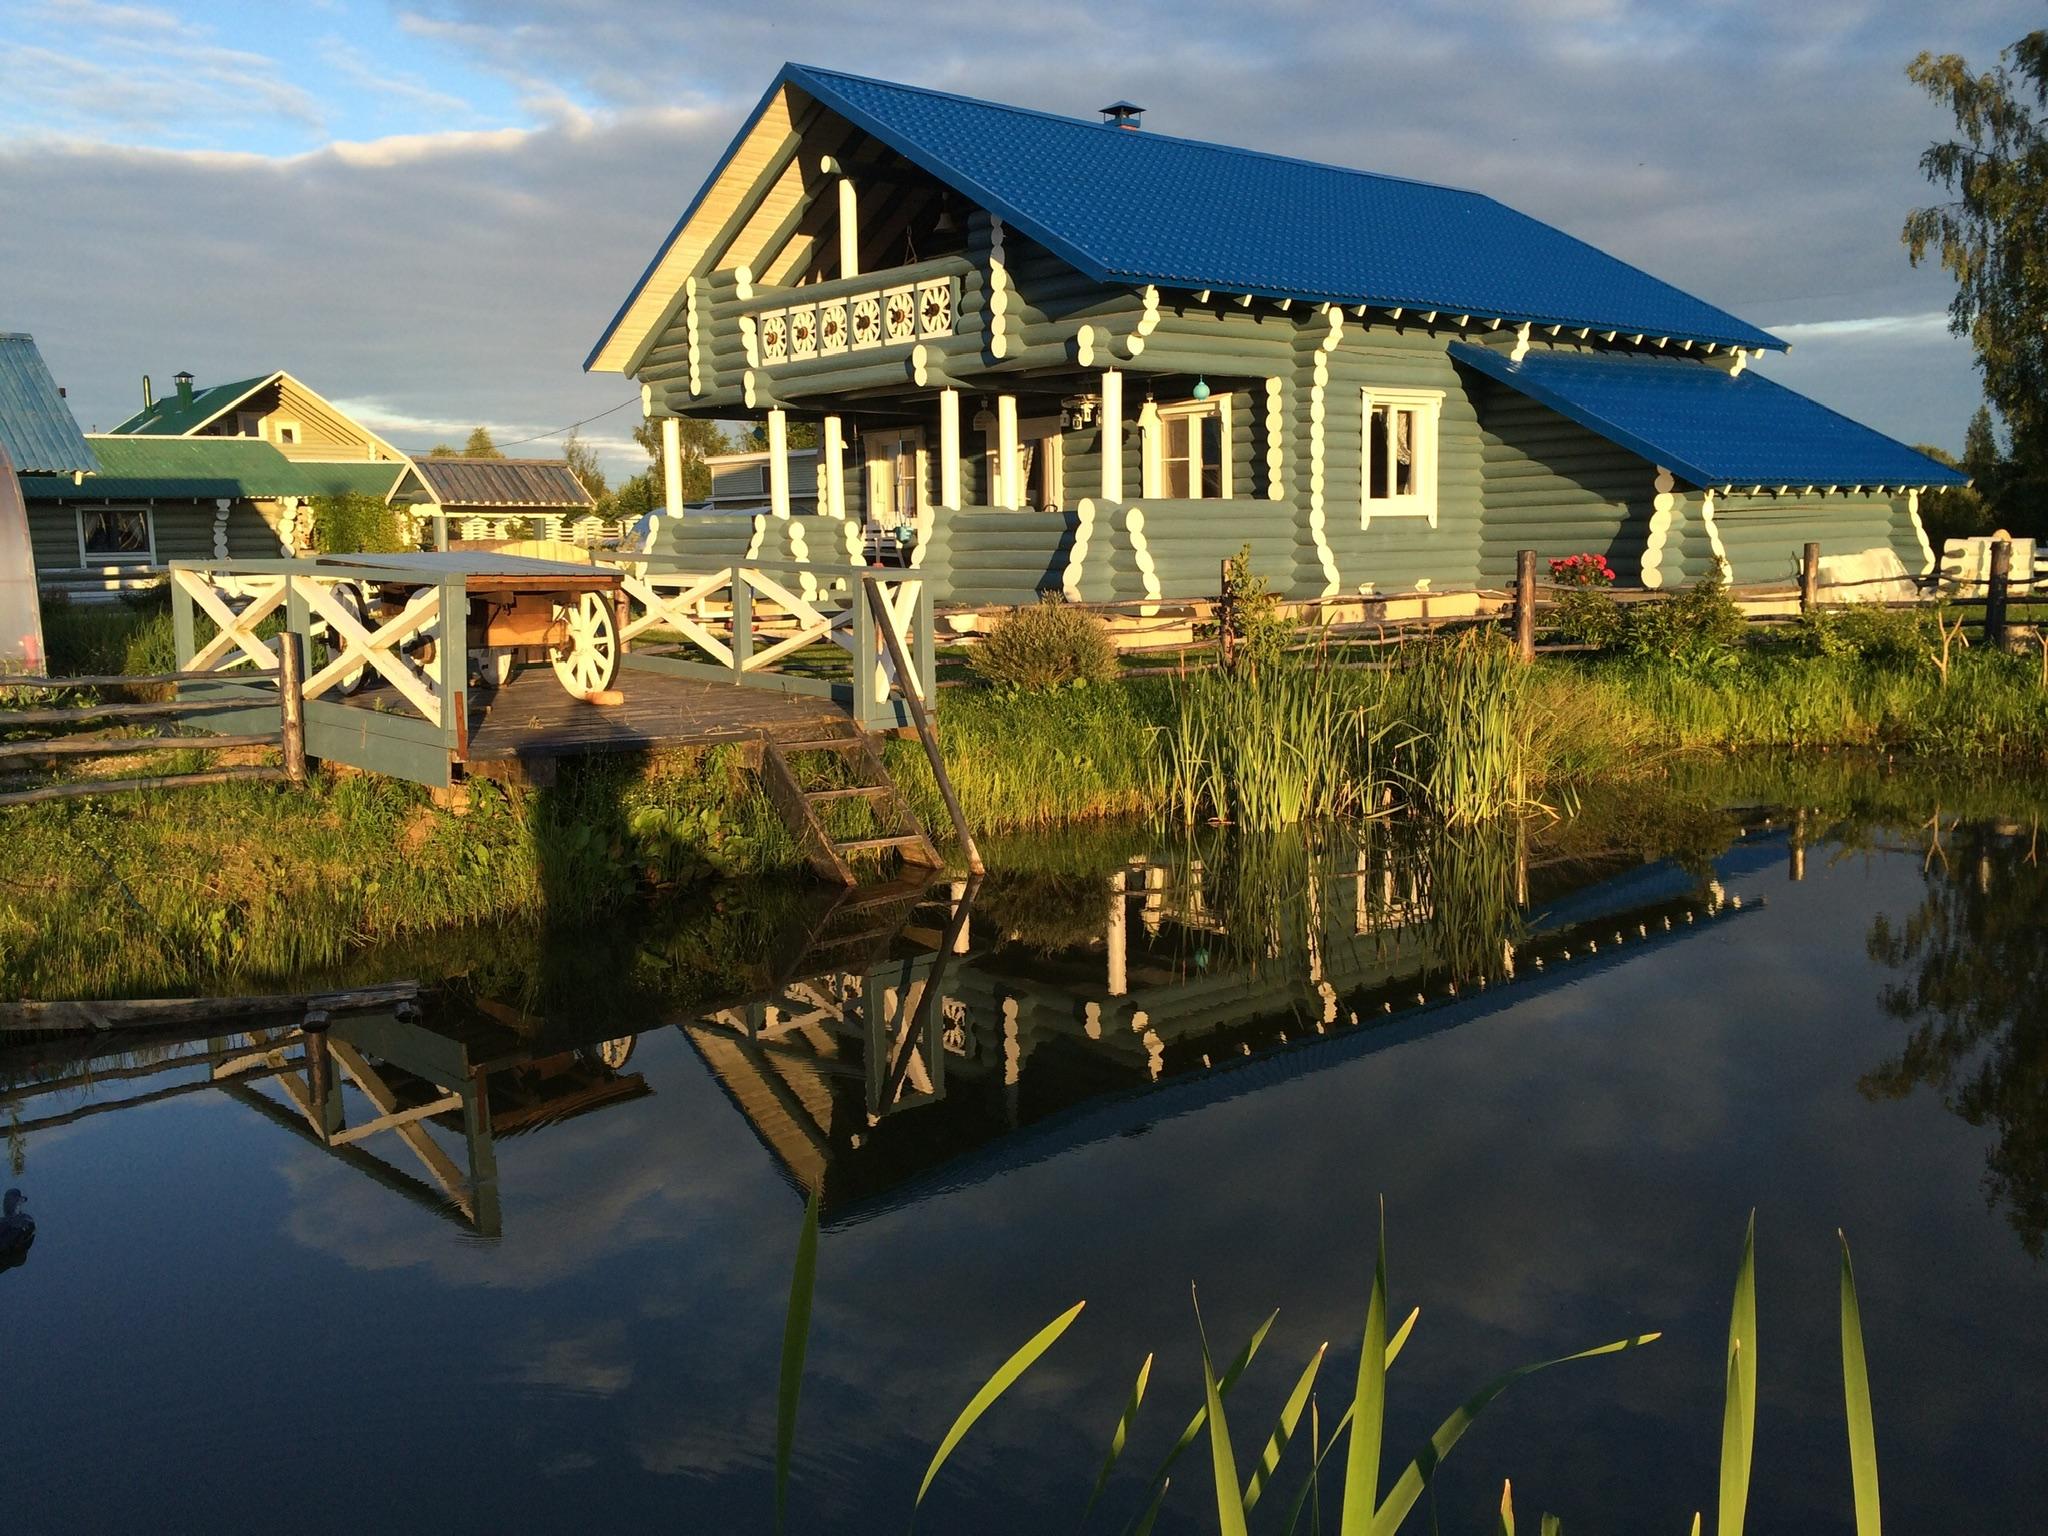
{"type": "Point", "coordinates": [745, 163]}
{"type": "Point", "coordinates": [762, 214]}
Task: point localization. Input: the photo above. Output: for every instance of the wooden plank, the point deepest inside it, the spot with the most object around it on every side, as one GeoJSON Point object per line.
{"type": "Point", "coordinates": [397, 1118]}
{"type": "Point", "coordinates": [110, 680]}
{"type": "Point", "coordinates": [110, 746]}
{"type": "Point", "coordinates": [15, 718]}
{"type": "Point", "coordinates": [155, 1013]}
{"type": "Point", "coordinates": [82, 787]}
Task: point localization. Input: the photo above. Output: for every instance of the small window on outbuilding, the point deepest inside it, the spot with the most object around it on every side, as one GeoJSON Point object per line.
{"type": "Point", "coordinates": [287, 433]}
{"type": "Point", "coordinates": [1398, 453]}
{"type": "Point", "coordinates": [115, 536]}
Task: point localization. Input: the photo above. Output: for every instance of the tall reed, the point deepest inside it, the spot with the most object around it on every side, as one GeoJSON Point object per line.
{"type": "Point", "coordinates": [1267, 747]}
{"type": "Point", "coordinates": [1459, 708]}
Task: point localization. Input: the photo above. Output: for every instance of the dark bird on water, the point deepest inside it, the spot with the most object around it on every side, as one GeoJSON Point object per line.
{"type": "Point", "coordinates": [17, 1230]}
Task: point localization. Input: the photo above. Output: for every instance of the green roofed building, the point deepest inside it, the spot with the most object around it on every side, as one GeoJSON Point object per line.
{"type": "Point", "coordinates": [219, 472]}
{"type": "Point", "coordinates": [158, 499]}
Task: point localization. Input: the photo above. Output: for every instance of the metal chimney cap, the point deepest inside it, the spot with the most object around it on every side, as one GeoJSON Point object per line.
{"type": "Point", "coordinates": [1122, 114]}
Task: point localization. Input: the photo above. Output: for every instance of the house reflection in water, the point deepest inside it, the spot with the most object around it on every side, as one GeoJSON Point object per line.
{"type": "Point", "coordinates": [369, 1088]}
{"type": "Point", "coordinates": [910, 1039]}
{"type": "Point", "coordinates": [1172, 983]}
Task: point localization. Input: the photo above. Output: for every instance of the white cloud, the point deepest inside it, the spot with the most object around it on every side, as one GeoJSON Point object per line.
{"type": "Point", "coordinates": [1922, 327]}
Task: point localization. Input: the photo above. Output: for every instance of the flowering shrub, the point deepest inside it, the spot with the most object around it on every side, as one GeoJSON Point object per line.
{"type": "Point", "coordinates": [1585, 615]}
{"type": "Point", "coordinates": [1588, 570]}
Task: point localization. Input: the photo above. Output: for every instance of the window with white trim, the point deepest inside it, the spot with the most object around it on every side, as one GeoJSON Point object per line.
{"type": "Point", "coordinates": [1190, 452]}
{"type": "Point", "coordinates": [116, 536]}
{"type": "Point", "coordinates": [1398, 457]}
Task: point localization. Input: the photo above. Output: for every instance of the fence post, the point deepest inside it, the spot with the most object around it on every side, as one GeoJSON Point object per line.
{"type": "Point", "coordinates": [184, 633]}
{"type": "Point", "coordinates": [291, 706]}
{"type": "Point", "coordinates": [1226, 615]}
{"type": "Point", "coordinates": [1995, 593]}
{"type": "Point", "coordinates": [1525, 604]}
{"type": "Point", "coordinates": [1809, 578]}
{"type": "Point", "coordinates": [742, 623]}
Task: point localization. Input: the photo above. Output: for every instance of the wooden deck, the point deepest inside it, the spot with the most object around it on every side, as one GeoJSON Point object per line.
{"type": "Point", "coordinates": [532, 717]}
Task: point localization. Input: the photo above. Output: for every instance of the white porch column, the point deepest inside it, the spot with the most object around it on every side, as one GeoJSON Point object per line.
{"type": "Point", "coordinates": [849, 229]}
{"type": "Point", "coordinates": [1006, 452]}
{"type": "Point", "coordinates": [1112, 436]}
{"type": "Point", "coordinates": [949, 449]}
{"type": "Point", "coordinates": [778, 462]}
{"type": "Point", "coordinates": [835, 468]}
{"type": "Point", "coordinates": [672, 465]}
{"type": "Point", "coordinates": [1151, 471]}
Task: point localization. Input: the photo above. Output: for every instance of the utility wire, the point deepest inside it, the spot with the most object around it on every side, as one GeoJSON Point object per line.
{"type": "Point", "coordinates": [520, 442]}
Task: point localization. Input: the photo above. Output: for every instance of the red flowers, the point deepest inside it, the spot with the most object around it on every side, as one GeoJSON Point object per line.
{"type": "Point", "coordinates": [1582, 571]}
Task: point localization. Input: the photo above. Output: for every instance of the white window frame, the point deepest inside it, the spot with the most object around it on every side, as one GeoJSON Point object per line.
{"type": "Point", "coordinates": [88, 560]}
{"type": "Point", "coordinates": [871, 440]}
{"type": "Point", "coordinates": [1049, 469]}
{"type": "Point", "coordinates": [1427, 404]}
{"type": "Point", "coordinates": [281, 425]}
{"type": "Point", "coordinates": [1154, 457]}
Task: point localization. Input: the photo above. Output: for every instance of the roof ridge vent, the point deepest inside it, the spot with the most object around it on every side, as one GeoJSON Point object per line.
{"type": "Point", "coordinates": [1123, 114]}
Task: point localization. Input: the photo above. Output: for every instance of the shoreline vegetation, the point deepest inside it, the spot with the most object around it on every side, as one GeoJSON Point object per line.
{"type": "Point", "coordinates": [238, 881]}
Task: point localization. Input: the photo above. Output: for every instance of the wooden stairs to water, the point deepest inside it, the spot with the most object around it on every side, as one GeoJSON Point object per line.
{"type": "Point", "coordinates": [837, 765]}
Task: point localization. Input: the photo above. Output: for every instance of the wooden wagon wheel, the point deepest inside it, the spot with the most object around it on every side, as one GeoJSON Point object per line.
{"type": "Point", "coordinates": [327, 644]}
{"type": "Point", "coordinates": [590, 661]}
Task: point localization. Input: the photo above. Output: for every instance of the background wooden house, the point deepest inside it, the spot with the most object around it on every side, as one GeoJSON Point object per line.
{"type": "Point", "coordinates": [202, 473]}
{"type": "Point", "coordinates": [1089, 358]}
{"type": "Point", "coordinates": [155, 500]}
{"type": "Point", "coordinates": [479, 499]}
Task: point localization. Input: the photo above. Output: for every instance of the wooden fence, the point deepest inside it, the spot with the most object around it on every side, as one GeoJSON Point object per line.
{"type": "Point", "coordinates": [411, 667]}
{"type": "Point", "coordinates": [288, 736]}
{"type": "Point", "coordinates": [788, 626]}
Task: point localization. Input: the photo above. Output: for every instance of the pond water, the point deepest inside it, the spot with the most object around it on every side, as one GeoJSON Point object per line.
{"type": "Point", "coordinates": [534, 1277]}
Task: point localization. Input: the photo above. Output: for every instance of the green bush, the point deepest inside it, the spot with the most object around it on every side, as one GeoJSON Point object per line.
{"type": "Point", "coordinates": [1248, 615]}
{"type": "Point", "coordinates": [1876, 634]}
{"type": "Point", "coordinates": [1699, 627]}
{"type": "Point", "coordinates": [1587, 616]}
{"type": "Point", "coordinates": [1050, 645]}
{"type": "Point", "coordinates": [356, 524]}
{"type": "Point", "coordinates": [131, 635]}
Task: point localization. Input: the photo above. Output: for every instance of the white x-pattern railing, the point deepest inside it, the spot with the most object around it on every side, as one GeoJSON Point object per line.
{"type": "Point", "coordinates": [748, 621]}
{"type": "Point", "coordinates": [408, 650]}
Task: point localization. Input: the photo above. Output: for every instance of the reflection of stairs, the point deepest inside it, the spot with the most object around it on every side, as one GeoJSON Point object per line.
{"type": "Point", "coordinates": [893, 827]}
{"type": "Point", "coordinates": [852, 929]}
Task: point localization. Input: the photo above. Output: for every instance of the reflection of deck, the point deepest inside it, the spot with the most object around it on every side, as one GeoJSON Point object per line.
{"type": "Point", "coordinates": [532, 716]}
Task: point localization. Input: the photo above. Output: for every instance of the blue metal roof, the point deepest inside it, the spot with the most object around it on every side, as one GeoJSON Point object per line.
{"type": "Point", "coordinates": [1707, 426]}
{"type": "Point", "coordinates": [1141, 207]}
{"type": "Point", "coordinates": [36, 426]}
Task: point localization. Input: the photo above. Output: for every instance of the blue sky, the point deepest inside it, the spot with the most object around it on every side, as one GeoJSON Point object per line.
{"type": "Point", "coordinates": [428, 210]}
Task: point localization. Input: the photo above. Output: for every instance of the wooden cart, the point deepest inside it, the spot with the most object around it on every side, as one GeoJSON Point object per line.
{"type": "Point", "coordinates": [521, 610]}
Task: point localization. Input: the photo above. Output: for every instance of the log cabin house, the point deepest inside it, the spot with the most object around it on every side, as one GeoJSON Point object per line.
{"type": "Point", "coordinates": [1090, 358]}
{"type": "Point", "coordinates": [222, 472]}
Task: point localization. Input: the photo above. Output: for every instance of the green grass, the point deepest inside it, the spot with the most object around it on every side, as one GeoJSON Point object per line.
{"type": "Point", "coordinates": [132, 635]}
{"type": "Point", "coordinates": [230, 883]}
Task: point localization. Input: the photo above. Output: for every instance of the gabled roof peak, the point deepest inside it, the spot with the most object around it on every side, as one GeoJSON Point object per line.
{"type": "Point", "coordinates": [1132, 209]}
